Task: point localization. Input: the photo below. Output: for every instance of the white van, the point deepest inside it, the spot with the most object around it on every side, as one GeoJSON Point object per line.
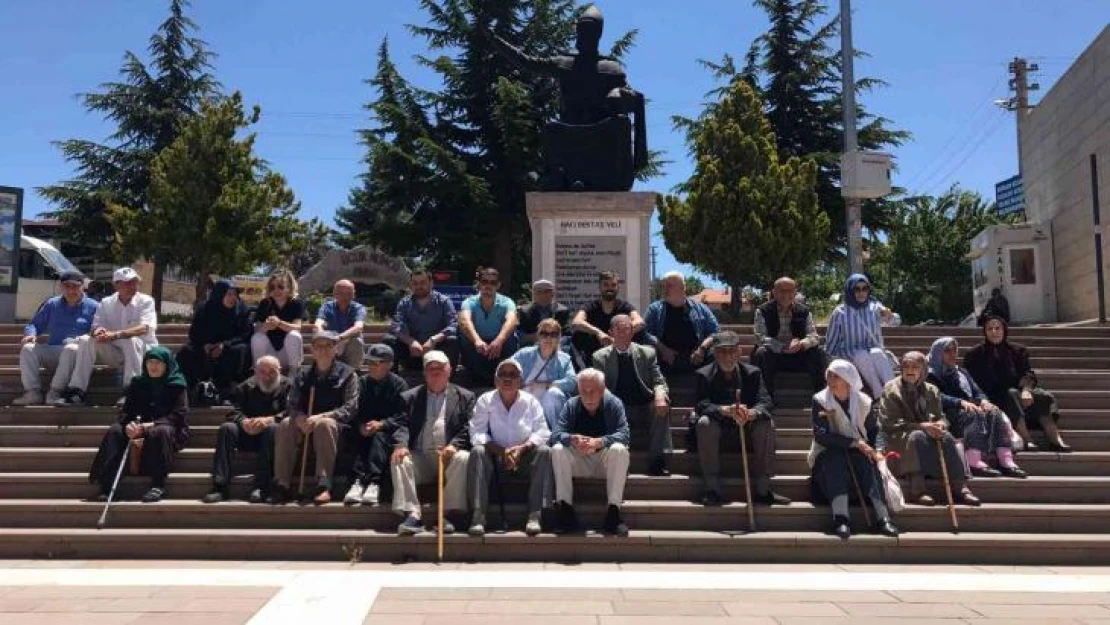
{"type": "Point", "coordinates": [40, 264]}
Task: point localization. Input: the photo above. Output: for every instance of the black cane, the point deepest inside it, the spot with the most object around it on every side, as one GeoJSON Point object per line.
{"type": "Point", "coordinates": [115, 483]}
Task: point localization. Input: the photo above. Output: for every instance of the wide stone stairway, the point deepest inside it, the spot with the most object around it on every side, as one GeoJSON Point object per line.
{"type": "Point", "coordinates": [1060, 515]}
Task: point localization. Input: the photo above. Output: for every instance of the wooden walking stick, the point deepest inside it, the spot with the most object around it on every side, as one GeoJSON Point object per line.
{"type": "Point", "coordinates": [439, 508]}
{"type": "Point", "coordinates": [307, 440]}
{"type": "Point", "coordinates": [747, 477]}
{"type": "Point", "coordinates": [947, 486]}
{"type": "Point", "coordinates": [859, 491]}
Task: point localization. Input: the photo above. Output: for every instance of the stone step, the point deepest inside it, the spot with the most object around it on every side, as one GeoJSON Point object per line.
{"type": "Point", "coordinates": [790, 462]}
{"type": "Point", "coordinates": [1004, 548]}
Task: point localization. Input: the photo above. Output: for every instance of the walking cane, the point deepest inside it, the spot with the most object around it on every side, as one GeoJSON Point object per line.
{"type": "Point", "coordinates": [307, 440]}
{"type": "Point", "coordinates": [859, 491]}
{"type": "Point", "coordinates": [947, 486]}
{"type": "Point", "coordinates": [115, 483]}
{"type": "Point", "coordinates": [439, 509]}
{"type": "Point", "coordinates": [747, 478]}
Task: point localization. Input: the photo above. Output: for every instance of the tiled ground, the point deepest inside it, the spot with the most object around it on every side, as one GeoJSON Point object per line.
{"type": "Point", "coordinates": [99, 605]}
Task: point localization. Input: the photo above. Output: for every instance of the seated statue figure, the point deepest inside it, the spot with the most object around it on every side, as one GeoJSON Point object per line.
{"type": "Point", "coordinates": [592, 147]}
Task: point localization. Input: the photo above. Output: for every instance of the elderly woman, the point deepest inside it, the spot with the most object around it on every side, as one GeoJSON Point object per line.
{"type": "Point", "coordinates": [154, 411]}
{"type": "Point", "coordinates": [843, 453]}
{"type": "Point", "coordinates": [1002, 370]}
{"type": "Point", "coordinates": [982, 426]}
{"type": "Point", "coordinates": [548, 372]}
{"type": "Point", "coordinates": [277, 323]}
{"type": "Point", "coordinates": [913, 421]}
{"type": "Point", "coordinates": [218, 348]}
{"type": "Point", "coordinates": [855, 333]}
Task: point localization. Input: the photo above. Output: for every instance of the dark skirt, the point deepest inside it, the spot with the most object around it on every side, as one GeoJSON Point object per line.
{"type": "Point", "coordinates": [1044, 405]}
{"type": "Point", "coordinates": [160, 447]}
{"type": "Point", "coordinates": [831, 477]}
{"type": "Point", "coordinates": [232, 367]}
{"type": "Point", "coordinates": [985, 432]}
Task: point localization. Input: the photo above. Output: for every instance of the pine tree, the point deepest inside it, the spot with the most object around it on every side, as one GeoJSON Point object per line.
{"type": "Point", "coordinates": [746, 217]}
{"type": "Point", "coordinates": [149, 105]}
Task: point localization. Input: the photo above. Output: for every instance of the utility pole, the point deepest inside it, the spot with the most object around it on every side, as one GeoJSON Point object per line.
{"type": "Point", "coordinates": [851, 204]}
{"type": "Point", "coordinates": [1019, 103]}
{"type": "Point", "coordinates": [653, 253]}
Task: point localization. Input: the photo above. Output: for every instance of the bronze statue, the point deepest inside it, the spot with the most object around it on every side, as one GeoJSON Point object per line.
{"type": "Point", "coordinates": [592, 147]}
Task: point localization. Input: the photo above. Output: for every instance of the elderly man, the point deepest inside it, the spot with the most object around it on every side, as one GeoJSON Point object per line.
{"type": "Point", "coordinates": [122, 331]}
{"type": "Point", "coordinates": [543, 306]}
{"type": "Point", "coordinates": [331, 387]}
{"type": "Point", "coordinates": [379, 404]}
{"type": "Point", "coordinates": [786, 338]}
{"type": "Point", "coordinates": [346, 317]}
{"type": "Point", "coordinates": [488, 325]}
{"type": "Point", "coordinates": [731, 395]}
{"type": "Point", "coordinates": [509, 431]}
{"type": "Point", "coordinates": [591, 440]}
{"type": "Point", "coordinates": [632, 374]}
{"type": "Point", "coordinates": [424, 320]}
{"type": "Point", "coordinates": [590, 325]}
{"type": "Point", "coordinates": [434, 425]}
{"type": "Point", "coordinates": [680, 329]}
{"type": "Point", "coordinates": [64, 317]}
{"type": "Point", "coordinates": [260, 404]}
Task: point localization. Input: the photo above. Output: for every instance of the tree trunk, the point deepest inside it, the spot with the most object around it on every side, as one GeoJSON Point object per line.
{"type": "Point", "coordinates": [734, 301]}
{"type": "Point", "coordinates": [201, 290]}
{"type": "Point", "coordinates": [156, 281]}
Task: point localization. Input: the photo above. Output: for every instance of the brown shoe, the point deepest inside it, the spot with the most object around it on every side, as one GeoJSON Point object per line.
{"type": "Point", "coordinates": [322, 497]}
{"type": "Point", "coordinates": [968, 498]}
{"type": "Point", "coordinates": [924, 500]}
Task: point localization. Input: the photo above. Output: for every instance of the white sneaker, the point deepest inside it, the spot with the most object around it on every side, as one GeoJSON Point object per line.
{"type": "Point", "coordinates": [353, 496]}
{"type": "Point", "coordinates": [53, 396]}
{"type": "Point", "coordinates": [28, 398]}
{"type": "Point", "coordinates": [370, 495]}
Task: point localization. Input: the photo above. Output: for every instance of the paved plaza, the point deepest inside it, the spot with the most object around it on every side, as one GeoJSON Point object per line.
{"type": "Point", "coordinates": [234, 593]}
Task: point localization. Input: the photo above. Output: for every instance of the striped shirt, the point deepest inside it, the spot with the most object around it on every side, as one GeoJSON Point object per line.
{"type": "Point", "coordinates": [854, 329]}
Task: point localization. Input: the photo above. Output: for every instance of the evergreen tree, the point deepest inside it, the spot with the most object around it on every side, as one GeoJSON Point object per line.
{"type": "Point", "coordinates": [213, 207]}
{"type": "Point", "coordinates": [746, 217]}
{"type": "Point", "coordinates": [149, 105]}
{"type": "Point", "coordinates": [795, 69]}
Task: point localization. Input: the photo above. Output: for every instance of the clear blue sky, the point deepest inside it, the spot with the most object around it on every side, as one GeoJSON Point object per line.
{"type": "Point", "coordinates": [304, 63]}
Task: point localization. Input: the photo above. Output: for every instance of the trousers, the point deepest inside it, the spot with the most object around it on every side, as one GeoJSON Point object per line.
{"type": "Point", "coordinates": [422, 468]}
{"type": "Point", "coordinates": [325, 444]}
{"type": "Point", "coordinates": [33, 356]}
{"type": "Point", "coordinates": [232, 438]}
{"type": "Point", "coordinates": [761, 457]}
{"type": "Point", "coordinates": [610, 463]}
{"type": "Point", "coordinates": [127, 354]}
{"type": "Point", "coordinates": [536, 464]}
{"type": "Point", "coordinates": [291, 355]}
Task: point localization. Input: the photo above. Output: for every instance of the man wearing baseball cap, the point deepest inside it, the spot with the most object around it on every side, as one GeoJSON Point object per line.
{"type": "Point", "coordinates": [122, 331]}
{"type": "Point", "coordinates": [370, 435]}
{"type": "Point", "coordinates": [64, 317]}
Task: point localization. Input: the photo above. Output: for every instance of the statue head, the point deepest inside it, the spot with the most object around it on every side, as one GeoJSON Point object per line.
{"type": "Point", "coordinates": [588, 30]}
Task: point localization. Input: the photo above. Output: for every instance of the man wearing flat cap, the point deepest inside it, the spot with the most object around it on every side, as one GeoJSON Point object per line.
{"type": "Point", "coordinates": [64, 317]}
{"type": "Point", "coordinates": [543, 306]}
{"type": "Point", "coordinates": [370, 437]}
{"type": "Point", "coordinates": [122, 331]}
{"type": "Point", "coordinates": [731, 395]}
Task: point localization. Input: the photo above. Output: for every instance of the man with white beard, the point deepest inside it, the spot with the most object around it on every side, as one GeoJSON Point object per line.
{"type": "Point", "coordinates": [260, 404]}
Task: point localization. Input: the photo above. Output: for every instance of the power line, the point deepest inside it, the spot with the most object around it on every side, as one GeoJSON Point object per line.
{"type": "Point", "coordinates": [987, 134]}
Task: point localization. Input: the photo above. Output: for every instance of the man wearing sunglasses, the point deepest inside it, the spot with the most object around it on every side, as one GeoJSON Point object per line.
{"type": "Point", "coordinates": [543, 306]}
{"type": "Point", "coordinates": [64, 317]}
{"type": "Point", "coordinates": [488, 324]}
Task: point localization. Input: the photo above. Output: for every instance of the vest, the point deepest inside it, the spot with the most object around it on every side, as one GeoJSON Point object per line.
{"type": "Point", "coordinates": [770, 312]}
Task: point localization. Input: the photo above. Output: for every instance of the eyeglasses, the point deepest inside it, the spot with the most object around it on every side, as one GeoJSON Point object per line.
{"type": "Point", "coordinates": [488, 282]}
{"type": "Point", "coordinates": [548, 335]}
{"type": "Point", "coordinates": [278, 287]}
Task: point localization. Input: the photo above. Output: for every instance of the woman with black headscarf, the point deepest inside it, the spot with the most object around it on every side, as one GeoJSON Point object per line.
{"type": "Point", "coordinates": [153, 417]}
{"type": "Point", "coordinates": [218, 349]}
{"type": "Point", "coordinates": [1002, 370]}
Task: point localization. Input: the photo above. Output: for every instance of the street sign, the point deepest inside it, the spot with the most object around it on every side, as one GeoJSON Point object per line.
{"type": "Point", "coordinates": [1009, 196]}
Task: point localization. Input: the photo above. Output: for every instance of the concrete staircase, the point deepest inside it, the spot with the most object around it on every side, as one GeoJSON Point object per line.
{"type": "Point", "coordinates": [1059, 515]}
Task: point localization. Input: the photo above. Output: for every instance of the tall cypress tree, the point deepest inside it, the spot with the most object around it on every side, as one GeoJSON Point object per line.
{"type": "Point", "coordinates": [149, 105]}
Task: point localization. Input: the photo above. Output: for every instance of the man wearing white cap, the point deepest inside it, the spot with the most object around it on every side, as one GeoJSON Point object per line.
{"type": "Point", "coordinates": [122, 331]}
{"type": "Point", "coordinates": [435, 423]}
{"type": "Point", "coordinates": [509, 430]}
{"type": "Point", "coordinates": [543, 306]}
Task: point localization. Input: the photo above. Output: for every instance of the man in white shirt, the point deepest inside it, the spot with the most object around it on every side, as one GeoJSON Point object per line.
{"type": "Point", "coordinates": [509, 430]}
{"type": "Point", "coordinates": [122, 331]}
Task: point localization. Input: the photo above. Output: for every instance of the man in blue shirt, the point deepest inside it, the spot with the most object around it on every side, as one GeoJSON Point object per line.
{"type": "Point", "coordinates": [424, 321]}
{"type": "Point", "coordinates": [64, 317]}
{"type": "Point", "coordinates": [346, 317]}
{"type": "Point", "coordinates": [488, 324]}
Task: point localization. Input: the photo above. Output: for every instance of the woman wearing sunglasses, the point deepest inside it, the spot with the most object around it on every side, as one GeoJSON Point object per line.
{"type": "Point", "coordinates": [548, 372]}
{"type": "Point", "coordinates": [855, 333]}
{"type": "Point", "coordinates": [277, 322]}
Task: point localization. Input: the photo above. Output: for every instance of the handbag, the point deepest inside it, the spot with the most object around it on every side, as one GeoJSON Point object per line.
{"type": "Point", "coordinates": [892, 490]}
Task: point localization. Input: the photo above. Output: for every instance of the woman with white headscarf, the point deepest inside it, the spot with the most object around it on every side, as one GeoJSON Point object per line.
{"type": "Point", "coordinates": [912, 419]}
{"type": "Point", "coordinates": [846, 439]}
{"type": "Point", "coordinates": [984, 428]}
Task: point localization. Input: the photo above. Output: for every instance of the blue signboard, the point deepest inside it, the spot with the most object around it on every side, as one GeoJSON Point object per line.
{"type": "Point", "coordinates": [456, 293]}
{"type": "Point", "coordinates": [1009, 197]}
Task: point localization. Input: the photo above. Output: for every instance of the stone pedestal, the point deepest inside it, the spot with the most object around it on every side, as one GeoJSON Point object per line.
{"type": "Point", "coordinates": [577, 235]}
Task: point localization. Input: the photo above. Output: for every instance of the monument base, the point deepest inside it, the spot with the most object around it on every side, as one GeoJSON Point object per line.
{"type": "Point", "coordinates": [575, 236]}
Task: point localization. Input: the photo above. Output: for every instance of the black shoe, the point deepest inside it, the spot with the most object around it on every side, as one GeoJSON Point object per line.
{"type": "Point", "coordinates": [712, 498]}
{"type": "Point", "coordinates": [841, 527]}
{"type": "Point", "coordinates": [613, 522]}
{"type": "Point", "coordinates": [218, 494]}
{"type": "Point", "coordinates": [73, 397]}
{"type": "Point", "coordinates": [771, 498]}
{"type": "Point", "coordinates": [257, 496]}
{"type": "Point", "coordinates": [101, 497]}
{"type": "Point", "coordinates": [154, 495]}
{"type": "Point", "coordinates": [1059, 447]}
{"type": "Point", "coordinates": [280, 495]}
{"type": "Point", "coordinates": [984, 472]}
{"type": "Point", "coordinates": [1015, 472]}
{"type": "Point", "coordinates": [886, 528]}
{"type": "Point", "coordinates": [1031, 446]}
{"type": "Point", "coordinates": [568, 520]}
{"type": "Point", "coordinates": [658, 469]}
{"type": "Point", "coordinates": [411, 526]}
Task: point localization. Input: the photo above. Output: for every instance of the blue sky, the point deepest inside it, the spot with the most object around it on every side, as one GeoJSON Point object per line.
{"type": "Point", "coordinates": [304, 63]}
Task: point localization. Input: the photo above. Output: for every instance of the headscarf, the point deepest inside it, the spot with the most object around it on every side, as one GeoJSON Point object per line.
{"type": "Point", "coordinates": [846, 371]}
{"type": "Point", "coordinates": [172, 377]}
{"type": "Point", "coordinates": [1001, 355]}
{"type": "Point", "coordinates": [215, 304]}
{"type": "Point", "coordinates": [849, 294]}
{"type": "Point", "coordinates": [914, 394]}
{"type": "Point", "coordinates": [936, 357]}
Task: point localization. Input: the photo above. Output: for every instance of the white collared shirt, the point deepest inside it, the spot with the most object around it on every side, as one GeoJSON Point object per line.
{"type": "Point", "coordinates": [114, 316]}
{"type": "Point", "coordinates": [523, 421]}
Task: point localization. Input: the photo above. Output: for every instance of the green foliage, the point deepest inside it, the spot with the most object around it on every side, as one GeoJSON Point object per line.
{"type": "Point", "coordinates": [213, 205]}
{"type": "Point", "coordinates": [746, 217]}
{"type": "Point", "coordinates": [694, 285]}
{"type": "Point", "coordinates": [924, 271]}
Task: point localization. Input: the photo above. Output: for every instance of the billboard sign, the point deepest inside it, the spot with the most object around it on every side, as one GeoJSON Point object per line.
{"type": "Point", "coordinates": [1009, 196]}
